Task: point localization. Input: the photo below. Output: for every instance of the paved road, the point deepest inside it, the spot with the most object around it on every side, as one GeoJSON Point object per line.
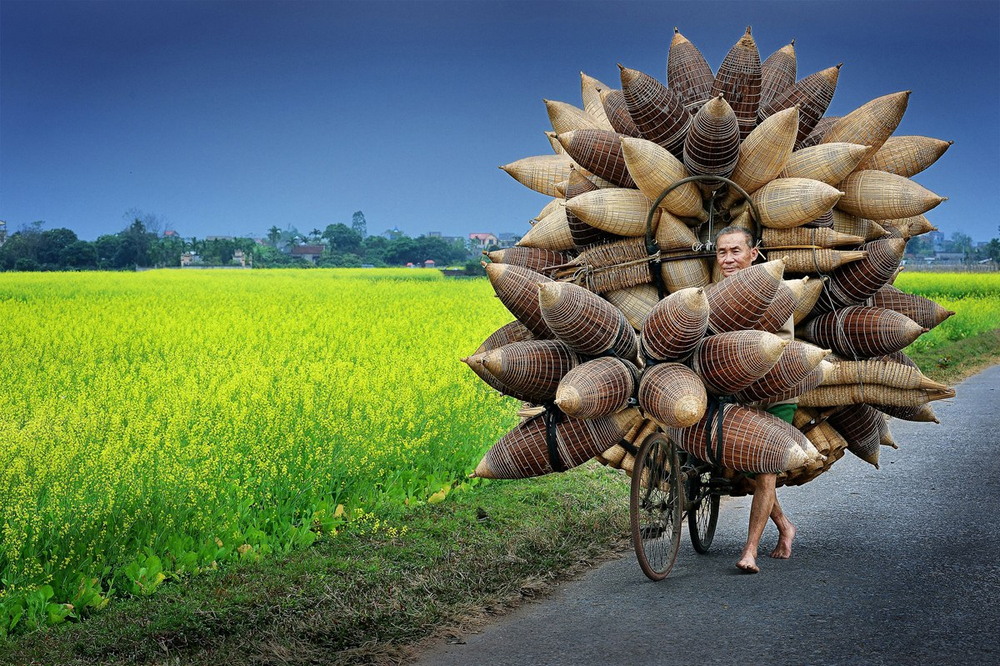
{"type": "Point", "coordinates": [891, 566]}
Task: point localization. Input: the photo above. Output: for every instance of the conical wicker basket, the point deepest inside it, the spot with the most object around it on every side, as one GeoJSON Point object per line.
{"type": "Point", "coordinates": [752, 440]}
{"type": "Point", "coordinates": [673, 395]}
{"type": "Point", "coordinates": [688, 73]}
{"type": "Point", "coordinates": [907, 155]}
{"type": "Point", "coordinates": [531, 369]}
{"type": "Point", "coordinates": [585, 321]}
{"type": "Point", "coordinates": [517, 289]}
{"type": "Point", "coordinates": [812, 94]}
{"type": "Point", "coordinates": [861, 331]}
{"type": "Point", "coordinates": [730, 362]}
{"type": "Point", "coordinates": [597, 388]}
{"type": "Point", "coordinates": [884, 196]}
{"type": "Point", "coordinates": [797, 361]}
{"type": "Point", "coordinates": [524, 451]}
{"type": "Point", "coordinates": [870, 124]}
{"type": "Point", "coordinates": [739, 80]}
{"type": "Point", "coordinates": [922, 310]}
{"type": "Point", "coordinates": [791, 202]}
{"type": "Point", "coordinates": [675, 325]}
{"type": "Point", "coordinates": [777, 73]}
{"type": "Point", "coordinates": [656, 110]}
{"type": "Point", "coordinates": [599, 152]}
{"type": "Point", "coordinates": [829, 163]}
{"type": "Point", "coordinates": [739, 301]}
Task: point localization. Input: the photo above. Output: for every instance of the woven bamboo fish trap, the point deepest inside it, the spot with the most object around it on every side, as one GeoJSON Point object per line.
{"type": "Point", "coordinates": [809, 236]}
{"type": "Point", "coordinates": [566, 117]}
{"type": "Point", "coordinates": [540, 172]}
{"type": "Point", "coordinates": [873, 394]}
{"type": "Point", "coordinates": [524, 451]}
{"type": "Point", "coordinates": [828, 163]}
{"type": "Point", "coordinates": [599, 152]}
{"type": "Point", "coordinates": [583, 234]}
{"type": "Point", "coordinates": [654, 169]}
{"type": "Point", "coordinates": [554, 142]}
{"type": "Point", "coordinates": [614, 210]}
{"type": "Point", "coordinates": [739, 80]}
{"type": "Point", "coordinates": [635, 302]}
{"type": "Point", "coordinates": [815, 137]}
{"type": "Point", "coordinates": [857, 226]}
{"type": "Point", "coordinates": [712, 145]}
{"type": "Point", "coordinates": [597, 388]}
{"type": "Point", "coordinates": [861, 331]}
{"type": "Point", "coordinates": [819, 260]}
{"type": "Point", "coordinates": [609, 267]}
{"type": "Point", "coordinates": [673, 395]}
{"type": "Point", "coordinates": [672, 234]}
{"type": "Point", "coordinates": [885, 196]}
{"type": "Point", "coordinates": [688, 73]}
{"type": "Point", "coordinates": [827, 441]}
{"type": "Point", "coordinates": [752, 441]}
{"type": "Point", "coordinates": [921, 414]}
{"type": "Point", "coordinates": [764, 153]}
{"type": "Point", "coordinates": [779, 312]}
{"type": "Point", "coordinates": [590, 92]}
{"type": "Point", "coordinates": [515, 331]}
{"type": "Point", "coordinates": [862, 427]}
{"type": "Point", "coordinates": [883, 372]}
{"type": "Point", "coordinates": [813, 378]}
{"type": "Point", "coordinates": [855, 282]}
{"type": "Point", "coordinates": [531, 368]}
{"type": "Point", "coordinates": [622, 455]}
{"type": "Point", "coordinates": [617, 113]}
{"type": "Point", "coordinates": [534, 259]}
{"type": "Point", "coordinates": [922, 310]}
{"type": "Point", "coordinates": [517, 289]}
{"type": "Point", "coordinates": [791, 202]}
{"type": "Point", "coordinates": [740, 300]}
{"type": "Point", "coordinates": [870, 124]}
{"type": "Point", "coordinates": [585, 321]}
{"type": "Point", "coordinates": [675, 325]}
{"type": "Point", "coordinates": [657, 111]}
{"type": "Point", "coordinates": [907, 155]}
{"type": "Point", "coordinates": [679, 272]}
{"type": "Point", "coordinates": [823, 221]}
{"type": "Point", "coordinates": [811, 292]}
{"type": "Point", "coordinates": [908, 227]}
{"type": "Point", "coordinates": [730, 362]}
{"type": "Point", "coordinates": [777, 73]}
{"type": "Point", "coordinates": [796, 362]}
{"type": "Point", "coordinates": [475, 363]}
{"type": "Point", "coordinates": [552, 232]}
{"type": "Point", "coordinates": [551, 206]}
{"type": "Point", "coordinates": [812, 94]}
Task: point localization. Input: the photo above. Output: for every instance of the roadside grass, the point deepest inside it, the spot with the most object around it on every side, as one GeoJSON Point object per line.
{"type": "Point", "coordinates": [363, 597]}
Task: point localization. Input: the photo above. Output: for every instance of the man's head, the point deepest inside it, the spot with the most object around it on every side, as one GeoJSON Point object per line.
{"type": "Point", "coordinates": [734, 249]}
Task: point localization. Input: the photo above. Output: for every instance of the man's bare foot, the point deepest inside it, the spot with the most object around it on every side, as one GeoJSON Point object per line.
{"type": "Point", "coordinates": [748, 564]}
{"type": "Point", "coordinates": [784, 548]}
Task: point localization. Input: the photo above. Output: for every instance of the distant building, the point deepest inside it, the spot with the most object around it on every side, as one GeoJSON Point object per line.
{"type": "Point", "coordinates": [308, 252]}
{"type": "Point", "coordinates": [481, 241]}
{"type": "Point", "coordinates": [190, 259]}
{"type": "Point", "coordinates": [429, 264]}
{"type": "Point", "coordinates": [392, 234]}
{"type": "Point", "coordinates": [170, 233]}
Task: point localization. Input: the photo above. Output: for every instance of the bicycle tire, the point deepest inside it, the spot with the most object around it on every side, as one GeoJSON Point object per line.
{"type": "Point", "coordinates": [656, 506]}
{"type": "Point", "coordinates": [702, 520]}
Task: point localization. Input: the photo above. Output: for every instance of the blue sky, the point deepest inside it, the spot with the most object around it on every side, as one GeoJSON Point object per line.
{"type": "Point", "coordinates": [225, 118]}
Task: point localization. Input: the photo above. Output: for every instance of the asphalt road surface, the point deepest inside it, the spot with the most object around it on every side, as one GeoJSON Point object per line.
{"type": "Point", "coordinates": [890, 566]}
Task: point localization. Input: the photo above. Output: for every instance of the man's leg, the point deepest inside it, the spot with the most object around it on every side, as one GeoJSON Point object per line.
{"type": "Point", "coordinates": [760, 509]}
{"type": "Point", "coordinates": [786, 532]}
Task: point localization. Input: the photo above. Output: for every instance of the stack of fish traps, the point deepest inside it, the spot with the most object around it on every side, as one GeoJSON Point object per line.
{"type": "Point", "coordinates": [623, 324]}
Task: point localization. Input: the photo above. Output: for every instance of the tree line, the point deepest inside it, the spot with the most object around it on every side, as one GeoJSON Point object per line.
{"type": "Point", "coordinates": [141, 245]}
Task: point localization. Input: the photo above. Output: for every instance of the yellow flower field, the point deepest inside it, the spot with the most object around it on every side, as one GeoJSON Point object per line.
{"type": "Point", "coordinates": [163, 421]}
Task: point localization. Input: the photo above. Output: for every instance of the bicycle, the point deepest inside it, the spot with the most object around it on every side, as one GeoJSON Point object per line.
{"type": "Point", "coordinates": [669, 485]}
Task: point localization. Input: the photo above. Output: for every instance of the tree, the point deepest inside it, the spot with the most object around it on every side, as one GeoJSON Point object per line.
{"type": "Point", "coordinates": [961, 243]}
{"type": "Point", "coordinates": [79, 254]}
{"type": "Point", "coordinates": [315, 235]}
{"type": "Point", "coordinates": [107, 248]}
{"type": "Point", "coordinates": [358, 223]}
{"type": "Point", "coordinates": [52, 243]}
{"type": "Point", "coordinates": [273, 236]}
{"type": "Point", "coordinates": [341, 238]}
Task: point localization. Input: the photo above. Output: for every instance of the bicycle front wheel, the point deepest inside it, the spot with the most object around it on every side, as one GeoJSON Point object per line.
{"type": "Point", "coordinates": [656, 506]}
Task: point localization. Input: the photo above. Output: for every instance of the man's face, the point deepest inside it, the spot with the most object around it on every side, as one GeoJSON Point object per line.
{"type": "Point", "coordinates": [733, 253]}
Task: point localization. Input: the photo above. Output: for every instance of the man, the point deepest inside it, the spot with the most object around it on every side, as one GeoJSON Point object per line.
{"type": "Point", "coordinates": [734, 251]}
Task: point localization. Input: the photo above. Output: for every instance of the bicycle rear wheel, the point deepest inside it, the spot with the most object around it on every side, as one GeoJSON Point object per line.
{"type": "Point", "coordinates": [655, 506]}
{"type": "Point", "coordinates": [703, 517]}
